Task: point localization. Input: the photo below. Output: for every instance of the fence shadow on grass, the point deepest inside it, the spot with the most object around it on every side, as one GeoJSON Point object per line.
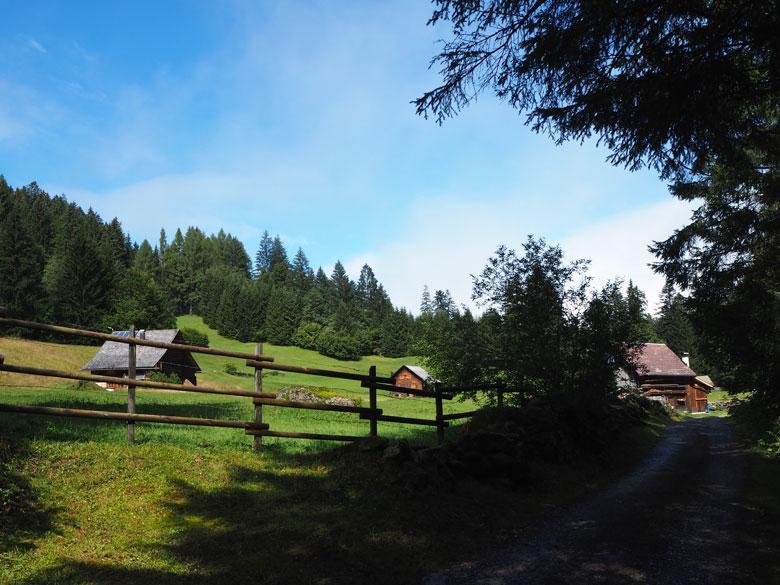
{"type": "Point", "coordinates": [69, 429]}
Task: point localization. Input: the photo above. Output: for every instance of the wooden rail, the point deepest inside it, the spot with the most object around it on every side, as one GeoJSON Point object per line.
{"type": "Point", "coordinates": [457, 415]}
{"type": "Point", "coordinates": [405, 390]}
{"type": "Point", "coordinates": [132, 340]}
{"type": "Point", "coordinates": [294, 435]}
{"type": "Point", "coordinates": [256, 360]}
{"type": "Point", "coordinates": [134, 417]}
{"type": "Point", "coordinates": [315, 371]}
{"type": "Point", "coordinates": [125, 381]}
{"type": "Point", "coordinates": [318, 406]}
{"type": "Point", "coordinates": [470, 387]}
{"type": "Point", "coordinates": [409, 420]}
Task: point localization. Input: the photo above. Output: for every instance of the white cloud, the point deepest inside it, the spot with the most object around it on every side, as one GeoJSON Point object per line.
{"type": "Point", "coordinates": [441, 245]}
{"type": "Point", "coordinates": [35, 45]}
{"type": "Point", "coordinates": [618, 245]}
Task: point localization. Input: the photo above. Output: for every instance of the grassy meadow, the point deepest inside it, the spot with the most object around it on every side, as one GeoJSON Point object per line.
{"type": "Point", "coordinates": [22, 389]}
{"type": "Point", "coordinates": [196, 505]}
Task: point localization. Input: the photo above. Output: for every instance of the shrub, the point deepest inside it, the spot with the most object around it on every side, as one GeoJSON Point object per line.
{"type": "Point", "coordinates": [338, 345]}
{"type": "Point", "coordinates": [194, 337]}
{"type": "Point", "coordinates": [230, 368]}
{"type": "Point", "coordinates": [171, 378]}
{"type": "Point", "coordinates": [307, 335]}
{"type": "Point", "coordinates": [82, 385]}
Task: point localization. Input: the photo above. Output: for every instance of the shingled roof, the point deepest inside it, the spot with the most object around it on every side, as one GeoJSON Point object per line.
{"type": "Point", "coordinates": [114, 355]}
{"type": "Point", "coordinates": [421, 373]}
{"type": "Point", "coordinates": [656, 359]}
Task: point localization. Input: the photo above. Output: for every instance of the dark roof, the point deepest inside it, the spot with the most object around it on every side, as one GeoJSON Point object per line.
{"type": "Point", "coordinates": [114, 355]}
{"type": "Point", "coordinates": [417, 371]}
{"type": "Point", "coordinates": [656, 359]}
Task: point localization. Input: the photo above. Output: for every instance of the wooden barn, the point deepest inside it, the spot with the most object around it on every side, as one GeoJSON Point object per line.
{"type": "Point", "coordinates": [662, 375]}
{"type": "Point", "coordinates": [413, 377]}
{"type": "Point", "coordinates": [112, 358]}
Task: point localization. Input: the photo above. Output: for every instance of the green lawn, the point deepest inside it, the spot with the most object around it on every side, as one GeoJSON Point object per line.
{"type": "Point", "coordinates": [52, 392]}
{"type": "Point", "coordinates": [196, 506]}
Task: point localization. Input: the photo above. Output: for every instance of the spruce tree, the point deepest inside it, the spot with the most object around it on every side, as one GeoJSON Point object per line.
{"type": "Point", "coordinates": [282, 316]}
{"type": "Point", "coordinates": [263, 255]}
{"type": "Point", "coordinates": [302, 275]}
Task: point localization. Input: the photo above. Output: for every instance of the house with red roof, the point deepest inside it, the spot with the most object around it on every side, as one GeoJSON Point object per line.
{"type": "Point", "coordinates": [664, 376]}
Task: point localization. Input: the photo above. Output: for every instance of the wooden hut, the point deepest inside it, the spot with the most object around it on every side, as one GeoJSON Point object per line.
{"type": "Point", "coordinates": [662, 375]}
{"type": "Point", "coordinates": [413, 377]}
{"type": "Point", "coordinates": [111, 359]}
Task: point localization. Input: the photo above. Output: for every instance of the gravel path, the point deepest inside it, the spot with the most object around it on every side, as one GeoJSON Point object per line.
{"type": "Point", "coordinates": [677, 519]}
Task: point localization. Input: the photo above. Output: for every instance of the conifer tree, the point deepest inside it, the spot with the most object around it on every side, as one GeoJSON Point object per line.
{"type": "Point", "coordinates": [426, 305]}
{"type": "Point", "coordinates": [301, 273]}
{"type": "Point", "coordinates": [263, 256]}
{"type": "Point", "coordinates": [282, 316]}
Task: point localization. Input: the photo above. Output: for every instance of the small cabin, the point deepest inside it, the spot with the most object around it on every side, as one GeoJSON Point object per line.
{"type": "Point", "coordinates": [664, 376]}
{"type": "Point", "coordinates": [413, 377]}
{"type": "Point", "coordinates": [112, 358]}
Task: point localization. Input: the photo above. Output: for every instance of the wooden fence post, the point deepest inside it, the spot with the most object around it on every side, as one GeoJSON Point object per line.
{"type": "Point", "coordinates": [374, 421]}
{"type": "Point", "coordinates": [130, 387]}
{"type": "Point", "coordinates": [258, 443]}
{"type": "Point", "coordinates": [439, 413]}
{"type": "Point", "coordinates": [500, 394]}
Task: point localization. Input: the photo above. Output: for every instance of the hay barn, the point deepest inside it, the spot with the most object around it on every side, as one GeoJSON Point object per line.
{"type": "Point", "coordinates": [111, 359]}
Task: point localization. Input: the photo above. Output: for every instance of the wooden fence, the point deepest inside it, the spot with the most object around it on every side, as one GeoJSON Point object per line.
{"type": "Point", "coordinates": [259, 362]}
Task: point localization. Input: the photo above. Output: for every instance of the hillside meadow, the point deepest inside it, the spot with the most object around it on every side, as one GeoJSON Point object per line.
{"type": "Point", "coordinates": [78, 505]}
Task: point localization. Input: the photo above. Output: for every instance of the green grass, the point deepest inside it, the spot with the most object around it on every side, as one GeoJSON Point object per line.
{"type": "Point", "coordinates": [52, 392]}
{"type": "Point", "coordinates": [196, 505]}
{"type": "Point", "coordinates": [213, 366]}
{"type": "Point", "coordinates": [200, 507]}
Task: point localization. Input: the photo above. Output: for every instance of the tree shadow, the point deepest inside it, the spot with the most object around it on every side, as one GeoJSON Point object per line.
{"type": "Point", "coordinates": [334, 517]}
{"type": "Point", "coordinates": [23, 517]}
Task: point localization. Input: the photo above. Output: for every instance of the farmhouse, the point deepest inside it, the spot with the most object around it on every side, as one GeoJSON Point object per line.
{"type": "Point", "coordinates": [112, 358]}
{"type": "Point", "coordinates": [662, 375]}
{"type": "Point", "coordinates": [413, 377]}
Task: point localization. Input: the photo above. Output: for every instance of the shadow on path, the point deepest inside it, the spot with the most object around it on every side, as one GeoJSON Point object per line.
{"type": "Point", "coordinates": [680, 518]}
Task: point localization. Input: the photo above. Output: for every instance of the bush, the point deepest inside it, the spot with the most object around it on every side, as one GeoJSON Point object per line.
{"type": "Point", "coordinates": [230, 368]}
{"type": "Point", "coordinates": [82, 385]}
{"type": "Point", "coordinates": [759, 424]}
{"type": "Point", "coordinates": [338, 345]}
{"type": "Point", "coordinates": [171, 378]}
{"type": "Point", "coordinates": [307, 335]}
{"type": "Point", "coordinates": [194, 337]}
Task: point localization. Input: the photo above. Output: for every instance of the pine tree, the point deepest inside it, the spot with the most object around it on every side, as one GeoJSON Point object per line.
{"type": "Point", "coordinates": [673, 324]}
{"type": "Point", "coordinates": [146, 259]}
{"type": "Point", "coordinates": [642, 329]}
{"type": "Point", "coordinates": [21, 260]}
{"type": "Point", "coordinates": [263, 256]}
{"type": "Point", "coordinates": [302, 275]}
{"type": "Point", "coordinates": [282, 316]}
{"type": "Point", "coordinates": [426, 305]}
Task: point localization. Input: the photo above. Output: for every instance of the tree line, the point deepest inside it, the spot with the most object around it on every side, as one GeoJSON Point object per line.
{"type": "Point", "coordinates": [545, 330]}
{"type": "Point", "coordinates": [61, 264]}
{"type": "Point", "coordinates": [688, 89]}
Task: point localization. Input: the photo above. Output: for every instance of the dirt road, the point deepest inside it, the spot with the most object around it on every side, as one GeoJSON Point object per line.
{"type": "Point", "coordinates": [678, 519]}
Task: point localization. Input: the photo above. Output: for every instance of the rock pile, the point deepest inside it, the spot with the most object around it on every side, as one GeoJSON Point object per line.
{"type": "Point", "coordinates": [303, 395]}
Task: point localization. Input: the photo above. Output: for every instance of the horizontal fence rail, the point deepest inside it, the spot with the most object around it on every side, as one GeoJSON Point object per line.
{"type": "Point", "coordinates": [259, 361]}
{"type": "Point", "coordinates": [295, 435]}
{"type": "Point", "coordinates": [134, 417]}
{"type": "Point", "coordinates": [67, 374]}
{"type": "Point", "coordinates": [319, 406]}
{"type": "Point", "coordinates": [405, 390]}
{"type": "Point", "coordinates": [315, 371]}
{"type": "Point", "coordinates": [132, 340]}
{"type": "Point", "coordinates": [411, 421]}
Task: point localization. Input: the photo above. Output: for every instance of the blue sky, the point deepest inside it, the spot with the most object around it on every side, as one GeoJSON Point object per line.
{"type": "Point", "coordinates": [295, 117]}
